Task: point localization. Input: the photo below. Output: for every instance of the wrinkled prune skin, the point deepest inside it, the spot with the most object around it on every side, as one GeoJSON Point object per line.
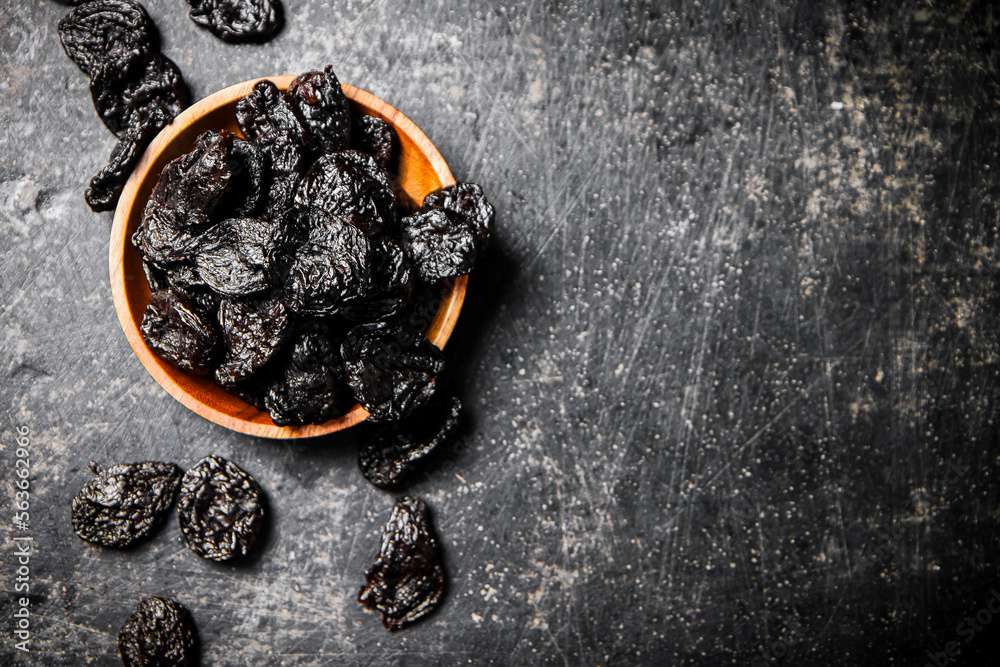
{"type": "Point", "coordinates": [237, 21]}
{"type": "Point", "coordinates": [221, 509]}
{"type": "Point", "coordinates": [126, 97]}
{"type": "Point", "coordinates": [441, 244]}
{"type": "Point", "coordinates": [352, 185]}
{"type": "Point", "coordinates": [330, 268]}
{"type": "Point", "coordinates": [234, 256]}
{"type": "Point", "coordinates": [247, 186]}
{"type": "Point", "coordinates": [136, 90]}
{"type": "Point", "coordinates": [107, 31]}
{"type": "Point", "coordinates": [395, 450]}
{"type": "Point", "coordinates": [310, 388]}
{"type": "Point", "coordinates": [374, 136]}
{"type": "Point", "coordinates": [253, 332]}
{"type": "Point", "coordinates": [106, 186]}
{"type": "Point", "coordinates": [124, 504]}
{"type": "Point", "coordinates": [189, 190]}
{"type": "Point", "coordinates": [390, 369]}
{"type": "Point", "coordinates": [466, 199]}
{"type": "Point", "coordinates": [266, 117]}
{"type": "Point", "coordinates": [173, 328]}
{"type": "Point", "coordinates": [159, 633]}
{"type": "Point", "coordinates": [320, 102]}
{"type": "Point", "coordinates": [407, 580]}
{"type": "Point", "coordinates": [391, 284]}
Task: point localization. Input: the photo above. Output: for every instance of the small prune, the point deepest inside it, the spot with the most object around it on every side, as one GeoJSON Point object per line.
{"type": "Point", "coordinates": [253, 332]}
{"type": "Point", "coordinates": [466, 199]}
{"type": "Point", "coordinates": [330, 268]}
{"type": "Point", "coordinates": [321, 103]}
{"type": "Point", "coordinates": [407, 580]}
{"type": "Point", "coordinates": [176, 332]}
{"type": "Point", "coordinates": [441, 244]}
{"type": "Point", "coordinates": [391, 285]}
{"type": "Point", "coordinates": [266, 117]}
{"type": "Point", "coordinates": [310, 388]}
{"type": "Point", "coordinates": [394, 450]}
{"type": "Point", "coordinates": [124, 504]}
{"type": "Point", "coordinates": [220, 508]}
{"type": "Point", "coordinates": [391, 370]}
{"type": "Point", "coordinates": [107, 31]}
{"type": "Point", "coordinates": [352, 185]}
{"type": "Point", "coordinates": [374, 136]}
{"type": "Point", "coordinates": [234, 256]}
{"type": "Point", "coordinates": [159, 633]}
{"type": "Point", "coordinates": [126, 97]}
{"type": "Point", "coordinates": [238, 20]}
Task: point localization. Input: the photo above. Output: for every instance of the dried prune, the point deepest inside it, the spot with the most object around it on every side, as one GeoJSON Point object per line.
{"type": "Point", "coordinates": [391, 285]}
{"type": "Point", "coordinates": [330, 268]}
{"type": "Point", "coordinates": [234, 256]}
{"type": "Point", "coordinates": [238, 20]}
{"type": "Point", "coordinates": [374, 136]}
{"type": "Point", "coordinates": [124, 504]}
{"type": "Point", "coordinates": [350, 184]}
{"type": "Point", "coordinates": [105, 188]}
{"type": "Point", "coordinates": [107, 31]}
{"type": "Point", "coordinates": [395, 450]}
{"type": "Point", "coordinates": [266, 117]}
{"type": "Point", "coordinates": [253, 332]}
{"type": "Point", "coordinates": [441, 244]}
{"type": "Point", "coordinates": [247, 186]}
{"type": "Point", "coordinates": [159, 633]}
{"type": "Point", "coordinates": [390, 369]}
{"type": "Point", "coordinates": [321, 103]}
{"type": "Point", "coordinates": [126, 96]}
{"type": "Point", "coordinates": [176, 332]}
{"type": "Point", "coordinates": [468, 200]}
{"type": "Point", "coordinates": [221, 509]}
{"type": "Point", "coordinates": [310, 388]}
{"type": "Point", "coordinates": [407, 580]}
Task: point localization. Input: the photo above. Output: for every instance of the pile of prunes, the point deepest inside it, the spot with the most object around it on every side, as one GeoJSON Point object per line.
{"type": "Point", "coordinates": [282, 264]}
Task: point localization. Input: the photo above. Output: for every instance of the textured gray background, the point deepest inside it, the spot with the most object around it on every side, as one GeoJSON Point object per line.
{"type": "Point", "coordinates": [732, 363]}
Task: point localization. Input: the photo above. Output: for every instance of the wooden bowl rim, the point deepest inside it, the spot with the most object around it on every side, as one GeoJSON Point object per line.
{"type": "Point", "coordinates": [439, 331]}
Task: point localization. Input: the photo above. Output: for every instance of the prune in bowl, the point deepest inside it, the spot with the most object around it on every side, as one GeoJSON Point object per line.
{"type": "Point", "coordinates": [419, 169]}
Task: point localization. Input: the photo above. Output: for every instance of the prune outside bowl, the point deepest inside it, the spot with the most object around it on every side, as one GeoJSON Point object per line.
{"type": "Point", "coordinates": [420, 170]}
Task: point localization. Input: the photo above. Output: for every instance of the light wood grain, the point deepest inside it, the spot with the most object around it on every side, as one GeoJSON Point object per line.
{"type": "Point", "coordinates": [421, 170]}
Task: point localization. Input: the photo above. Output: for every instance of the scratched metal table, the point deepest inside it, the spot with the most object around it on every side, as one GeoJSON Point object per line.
{"type": "Point", "coordinates": [732, 362]}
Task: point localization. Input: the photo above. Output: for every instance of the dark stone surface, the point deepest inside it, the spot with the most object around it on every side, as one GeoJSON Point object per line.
{"type": "Point", "coordinates": [731, 364]}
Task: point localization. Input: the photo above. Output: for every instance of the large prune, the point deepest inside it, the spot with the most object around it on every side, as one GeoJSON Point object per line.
{"type": "Point", "coordinates": [394, 450]}
{"type": "Point", "coordinates": [391, 284]}
{"type": "Point", "coordinates": [441, 244]}
{"type": "Point", "coordinates": [234, 256]}
{"type": "Point", "coordinates": [390, 369]}
{"type": "Point", "coordinates": [407, 580]}
{"type": "Point", "coordinates": [321, 103]}
{"type": "Point", "coordinates": [159, 633]}
{"type": "Point", "coordinates": [220, 508]}
{"type": "Point", "coordinates": [126, 96]}
{"type": "Point", "coordinates": [374, 136]}
{"type": "Point", "coordinates": [176, 332]}
{"type": "Point", "coordinates": [468, 200]}
{"type": "Point", "coordinates": [253, 332]}
{"type": "Point", "coordinates": [107, 31]}
{"type": "Point", "coordinates": [352, 185]}
{"type": "Point", "coordinates": [238, 20]}
{"type": "Point", "coordinates": [330, 268]}
{"type": "Point", "coordinates": [310, 388]}
{"type": "Point", "coordinates": [124, 504]}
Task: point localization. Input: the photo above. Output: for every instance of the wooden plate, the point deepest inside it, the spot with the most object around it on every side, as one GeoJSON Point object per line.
{"type": "Point", "coordinates": [421, 170]}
